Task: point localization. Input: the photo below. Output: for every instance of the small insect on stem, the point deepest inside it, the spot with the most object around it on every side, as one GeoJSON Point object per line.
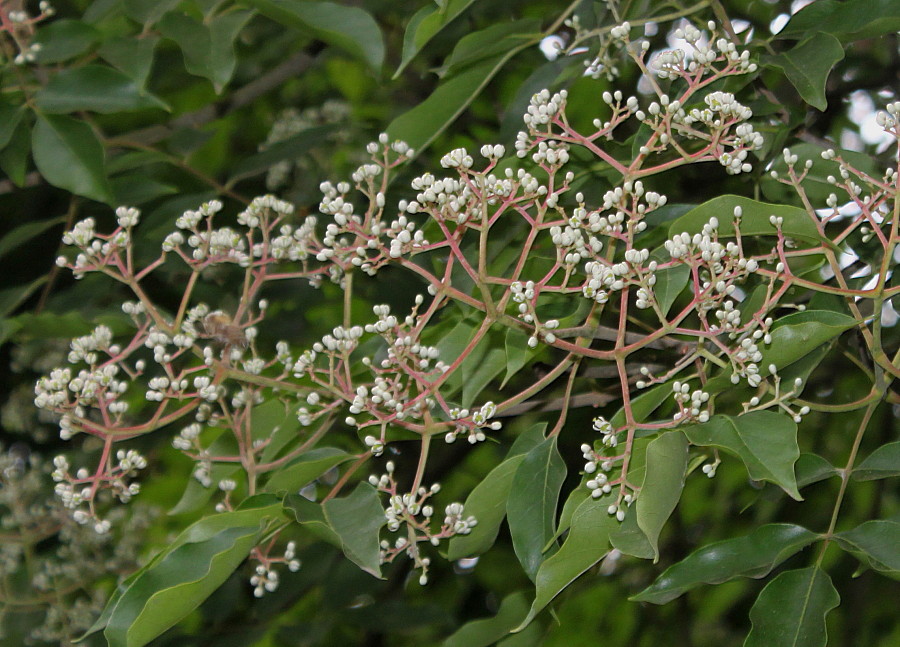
{"type": "Point", "coordinates": [218, 326]}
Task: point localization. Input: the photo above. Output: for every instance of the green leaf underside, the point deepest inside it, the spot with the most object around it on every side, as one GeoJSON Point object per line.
{"type": "Point", "coordinates": [586, 544]}
{"type": "Point", "coordinates": [883, 463]}
{"type": "Point", "coordinates": [753, 555]}
{"type": "Point", "coordinates": [875, 543]}
{"type": "Point", "coordinates": [487, 631]}
{"type": "Point", "coordinates": [94, 88]}
{"type": "Point", "coordinates": [667, 458]}
{"type": "Point", "coordinates": [790, 611]}
{"type": "Point", "coordinates": [487, 503]}
{"type": "Point", "coordinates": [754, 219]}
{"type": "Point", "coordinates": [356, 520]}
{"type": "Point", "coordinates": [765, 441]}
{"type": "Point", "coordinates": [349, 28]}
{"type": "Point", "coordinates": [808, 65]}
{"type": "Point", "coordinates": [531, 508]}
{"type": "Point", "coordinates": [69, 155]}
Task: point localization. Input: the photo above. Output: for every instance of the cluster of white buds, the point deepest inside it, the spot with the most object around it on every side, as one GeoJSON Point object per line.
{"type": "Point", "coordinates": [691, 404]}
{"type": "Point", "coordinates": [541, 110]}
{"type": "Point", "coordinates": [603, 426]}
{"type": "Point", "coordinates": [472, 424]}
{"type": "Point", "coordinates": [265, 580]}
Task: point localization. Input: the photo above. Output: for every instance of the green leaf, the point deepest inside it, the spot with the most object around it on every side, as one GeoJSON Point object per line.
{"type": "Point", "coordinates": [754, 219]}
{"type": "Point", "coordinates": [138, 188]}
{"type": "Point", "coordinates": [491, 42]}
{"type": "Point", "coordinates": [421, 125]}
{"type": "Point", "coordinates": [670, 282]}
{"type": "Point", "coordinates": [12, 298]}
{"type": "Point", "coordinates": [875, 543]}
{"type": "Point", "coordinates": [754, 555]}
{"type": "Point", "coordinates": [147, 12]}
{"type": "Point", "coordinates": [531, 508]}
{"type": "Point", "coordinates": [133, 56]}
{"type": "Point", "coordinates": [291, 148]}
{"type": "Point", "coordinates": [487, 503]}
{"type": "Point", "coordinates": [587, 544]}
{"type": "Point", "coordinates": [808, 65]}
{"type": "Point", "coordinates": [305, 468]}
{"type": "Point", "coordinates": [10, 116]}
{"type": "Point", "coordinates": [667, 458]}
{"type": "Point", "coordinates": [95, 88]}
{"type": "Point", "coordinates": [424, 25]}
{"type": "Point", "coordinates": [518, 353]}
{"type": "Point", "coordinates": [69, 155]}
{"type": "Point", "coordinates": [628, 538]}
{"type": "Point", "coordinates": [487, 631]}
{"type": "Point", "coordinates": [356, 520]}
{"type": "Point", "coordinates": [644, 404]}
{"type": "Point", "coordinates": [791, 610]}
{"type": "Point", "coordinates": [25, 232]}
{"type": "Point", "coordinates": [349, 28]}
{"type": "Point", "coordinates": [815, 184]}
{"type": "Point", "coordinates": [208, 48]}
{"type": "Point", "coordinates": [186, 573]}
{"type": "Point", "coordinates": [14, 156]}
{"type": "Point", "coordinates": [765, 441]}
{"type": "Point", "coordinates": [799, 333]}
{"type": "Point", "coordinates": [883, 463]}
{"type": "Point", "coordinates": [477, 375]}
{"type": "Point", "coordinates": [850, 20]}
{"type": "Point", "coordinates": [64, 39]}
{"type": "Point", "coordinates": [812, 468]}
{"type": "Point", "coordinates": [312, 517]}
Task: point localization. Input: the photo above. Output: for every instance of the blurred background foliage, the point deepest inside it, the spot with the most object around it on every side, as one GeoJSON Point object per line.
{"type": "Point", "coordinates": [164, 104]}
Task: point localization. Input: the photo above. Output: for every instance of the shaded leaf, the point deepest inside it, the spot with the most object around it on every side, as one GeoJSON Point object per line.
{"type": "Point", "coordinates": [64, 39]}
{"type": "Point", "coordinates": [12, 298]}
{"type": "Point", "coordinates": [175, 582]}
{"type": "Point", "coordinates": [14, 156]}
{"type": "Point", "coordinates": [808, 65]}
{"type": "Point", "coordinates": [765, 441]}
{"type": "Point", "coordinates": [487, 631]}
{"type": "Point", "coordinates": [94, 88]}
{"type": "Point", "coordinates": [587, 544]}
{"type": "Point", "coordinates": [667, 458]}
{"type": "Point", "coordinates": [133, 56]}
{"type": "Point", "coordinates": [875, 543]}
{"type": "Point", "coordinates": [356, 520]}
{"type": "Point", "coordinates": [487, 503]}
{"type": "Point", "coordinates": [670, 282]}
{"type": "Point", "coordinates": [477, 375]}
{"type": "Point", "coordinates": [69, 155]}
{"type": "Point", "coordinates": [883, 463]}
{"type": "Point", "coordinates": [850, 20]}
{"type": "Point", "coordinates": [791, 610]}
{"type": "Point", "coordinates": [491, 42]}
{"type": "Point", "coordinates": [423, 26]}
{"type": "Point", "coordinates": [531, 508]}
{"type": "Point", "coordinates": [518, 353]}
{"type": "Point", "coordinates": [812, 468]}
{"type": "Point", "coordinates": [644, 404]}
{"type": "Point", "coordinates": [10, 116]}
{"type": "Point", "coordinates": [305, 468]}
{"type": "Point", "coordinates": [290, 148]}
{"type": "Point", "coordinates": [350, 28]}
{"type": "Point", "coordinates": [25, 232]}
{"type": "Point", "coordinates": [754, 555]}
{"type": "Point", "coordinates": [208, 48]}
{"type": "Point", "coordinates": [147, 12]}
